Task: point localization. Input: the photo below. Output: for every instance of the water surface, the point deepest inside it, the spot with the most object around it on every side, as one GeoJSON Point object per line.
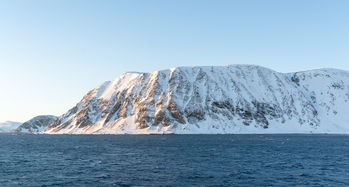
{"type": "Point", "coordinates": [174, 160]}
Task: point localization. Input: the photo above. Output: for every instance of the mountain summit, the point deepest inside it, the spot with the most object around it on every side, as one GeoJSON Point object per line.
{"type": "Point", "coordinates": [210, 100]}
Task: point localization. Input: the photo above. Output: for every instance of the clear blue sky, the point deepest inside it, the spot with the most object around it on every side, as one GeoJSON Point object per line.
{"type": "Point", "coordinates": [53, 52]}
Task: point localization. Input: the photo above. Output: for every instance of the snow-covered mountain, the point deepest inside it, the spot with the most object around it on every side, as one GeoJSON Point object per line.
{"type": "Point", "coordinates": [221, 99]}
{"type": "Point", "coordinates": [8, 126]}
{"type": "Point", "coordinates": [36, 125]}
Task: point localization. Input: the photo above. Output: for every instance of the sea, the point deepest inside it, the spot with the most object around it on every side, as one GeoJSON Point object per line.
{"type": "Point", "coordinates": [174, 160]}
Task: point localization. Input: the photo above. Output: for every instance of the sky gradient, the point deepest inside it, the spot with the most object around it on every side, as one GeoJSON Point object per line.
{"type": "Point", "coordinates": [53, 52]}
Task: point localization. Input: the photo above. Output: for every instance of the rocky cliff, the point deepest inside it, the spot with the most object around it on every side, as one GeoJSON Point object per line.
{"type": "Point", "coordinates": [223, 99]}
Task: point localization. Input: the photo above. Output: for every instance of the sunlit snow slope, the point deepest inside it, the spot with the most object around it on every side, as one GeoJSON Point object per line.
{"type": "Point", "coordinates": [210, 100]}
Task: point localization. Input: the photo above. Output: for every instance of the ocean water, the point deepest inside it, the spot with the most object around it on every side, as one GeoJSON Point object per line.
{"type": "Point", "coordinates": [174, 160]}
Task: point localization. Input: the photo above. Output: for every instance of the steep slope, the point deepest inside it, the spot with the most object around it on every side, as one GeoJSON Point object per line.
{"type": "Point", "coordinates": [226, 99]}
{"type": "Point", "coordinates": [8, 126]}
{"type": "Point", "coordinates": [37, 124]}
{"type": "Point", "coordinates": [328, 90]}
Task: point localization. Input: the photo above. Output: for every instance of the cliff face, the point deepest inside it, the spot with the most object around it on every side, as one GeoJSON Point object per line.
{"type": "Point", "coordinates": [227, 99]}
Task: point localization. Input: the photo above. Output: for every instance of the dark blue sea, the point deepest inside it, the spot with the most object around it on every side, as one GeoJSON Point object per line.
{"type": "Point", "coordinates": [174, 160]}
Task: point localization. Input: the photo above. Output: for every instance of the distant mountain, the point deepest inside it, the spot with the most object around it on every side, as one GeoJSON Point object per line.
{"type": "Point", "coordinates": [210, 100]}
{"type": "Point", "coordinates": [37, 124]}
{"type": "Point", "coordinates": [8, 126]}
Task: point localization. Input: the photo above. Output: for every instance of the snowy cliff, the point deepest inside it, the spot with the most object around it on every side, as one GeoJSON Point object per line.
{"type": "Point", "coordinates": [37, 124]}
{"type": "Point", "coordinates": [222, 99]}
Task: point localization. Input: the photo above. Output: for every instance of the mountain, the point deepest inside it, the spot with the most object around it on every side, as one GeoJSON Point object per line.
{"type": "Point", "coordinates": [8, 126]}
{"type": "Point", "coordinates": [210, 100]}
{"type": "Point", "coordinates": [37, 124]}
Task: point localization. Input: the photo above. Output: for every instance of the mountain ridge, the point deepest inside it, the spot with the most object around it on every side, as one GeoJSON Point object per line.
{"type": "Point", "coordinates": [36, 125]}
{"type": "Point", "coordinates": [8, 126]}
{"type": "Point", "coordinates": [213, 99]}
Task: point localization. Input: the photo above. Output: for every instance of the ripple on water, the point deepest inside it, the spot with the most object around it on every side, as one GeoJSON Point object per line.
{"type": "Point", "coordinates": [197, 160]}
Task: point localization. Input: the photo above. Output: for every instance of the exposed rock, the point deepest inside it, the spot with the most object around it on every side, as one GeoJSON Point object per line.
{"type": "Point", "coordinates": [227, 99]}
{"type": "Point", "coordinates": [37, 124]}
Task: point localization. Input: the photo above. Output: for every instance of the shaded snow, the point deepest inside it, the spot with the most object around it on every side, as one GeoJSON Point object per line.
{"type": "Point", "coordinates": [8, 126]}
{"type": "Point", "coordinates": [37, 124]}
